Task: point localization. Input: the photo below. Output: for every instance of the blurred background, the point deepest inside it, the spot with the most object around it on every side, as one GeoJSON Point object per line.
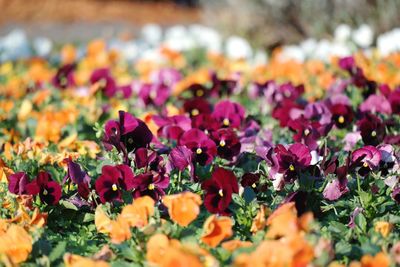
{"type": "Point", "coordinates": [265, 23]}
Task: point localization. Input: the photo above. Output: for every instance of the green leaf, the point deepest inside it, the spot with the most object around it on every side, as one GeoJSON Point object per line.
{"type": "Point", "coordinates": [58, 251]}
{"type": "Point", "coordinates": [68, 205]}
{"type": "Point", "coordinates": [361, 222]}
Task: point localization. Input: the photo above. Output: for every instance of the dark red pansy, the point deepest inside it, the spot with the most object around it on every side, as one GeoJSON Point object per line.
{"type": "Point", "coordinates": [394, 100]}
{"type": "Point", "coordinates": [227, 142]}
{"type": "Point", "coordinates": [197, 106]}
{"type": "Point", "coordinates": [198, 90]}
{"type": "Point", "coordinates": [112, 181]}
{"type": "Point", "coordinates": [180, 158]}
{"type": "Point", "coordinates": [64, 77]}
{"type": "Point", "coordinates": [342, 115]}
{"type": "Point", "coordinates": [251, 180]}
{"type": "Point", "coordinates": [48, 190]}
{"type": "Point", "coordinates": [203, 148]}
{"type": "Point", "coordinates": [205, 122]}
{"type": "Point", "coordinates": [103, 78]}
{"type": "Point", "coordinates": [306, 132]}
{"type": "Point", "coordinates": [79, 177]}
{"type": "Point", "coordinates": [126, 134]}
{"type": "Point", "coordinates": [396, 195]}
{"type": "Point", "coordinates": [229, 114]}
{"type": "Point", "coordinates": [219, 190]}
{"type": "Point", "coordinates": [372, 129]}
{"type": "Point", "coordinates": [17, 183]}
{"type": "Point", "coordinates": [282, 110]}
{"type": "Point", "coordinates": [150, 184]}
{"type": "Point", "coordinates": [365, 159]}
{"type": "Point", "coordinates": [293, 160]}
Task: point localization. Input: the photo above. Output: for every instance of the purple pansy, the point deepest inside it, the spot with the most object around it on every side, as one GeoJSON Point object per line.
{"type": "Point", "coordinates": [203, 148]}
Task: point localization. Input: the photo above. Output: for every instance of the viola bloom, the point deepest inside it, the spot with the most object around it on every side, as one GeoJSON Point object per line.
{"type": "Point", "coordinates": [150, 184]}
{"type": "Point", "coordinates": [219, 190]}
{"type": "Point", "coordinates": [366, 159]}
{"type": "Point", "coordinates": [172, 127]}
{"type": "Point", "coordinates": [251, 180]}
{"type": "Point", "coordinates": [372, 129]}
{"type": "Point", "coordinates": [342, 115]}
{"type": "Point", "coordinates": [216, 229]}
{"type": "Point", "coordinates": [105, 82]}
{"type": "Point", "coordinates": [228, 114]}
{"type": "Point", "coordinates": [305, 131]}
{"type": "Point", "coordinates": [129, 133]}
{"type": "Point", "coordinates": [197, 106]}
{"type": "Point", "coordinates": [203, 148]}
{"type": "Point", "coordinates": [154, 93]}
{"type": "Point", "coordinates": [64, 77]}
{"type": "Point", "coordinates": [48, 190]}
{"type": "Point", "coordinates": [183, 208]}
{"type": "Point", "coordinates": [228, 144]}
{"type": "Point", "coordinates": [79, 177]}
{"type": "Point", "coordinates": [112, 181]}
{"type": "Point", "coordinates": [293, 160]}
{"type": "Point", "coordinates": [17, 183]}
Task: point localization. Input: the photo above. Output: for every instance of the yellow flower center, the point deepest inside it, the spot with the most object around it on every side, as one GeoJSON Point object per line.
{"type": "Point", "coordinates": [45, 192]}
{"type": "Point", "coordinates": [130, 140]}
{"type": "Point", "coordinates": [195, 112]}
{"type": "Point", "coordinates": [153, 94]}
{"type": "Point", "coordinates": [254, 185]}
{"type": "Point", "coordinates": [199, 151]}
{"type": "Point", "coordinates": [306, 132]}
{"type": "Point", "coordinates": [199, 92]}
{"type": "Point", "coordinates": [225, 122]}
{"type": "Point", "coordinates": [341, 119]}
{"type": "Point", "coordinates": [373, 134]}
{"type": "Point", "coordinates": [114, 187]}
{"type": "Point", "coordinates": [291, 167]}
{"type": "Point", "coordinates": [365, 165]}
{"type": "Point", "coordinates": [221, 193]}
{"type": "Point", "coordinates": [222, 143]}
{"type": "Point", "coordinates": [151, 187]}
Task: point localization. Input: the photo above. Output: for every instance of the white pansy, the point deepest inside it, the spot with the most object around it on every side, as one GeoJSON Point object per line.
{"type": "Point", "coordinates": [237, 48]}
{"type": "Point", "coordinates": [342, 33]}
{"type": "Point", "coordinates": [152, 34]}
{"type": "Point", "coordinates": [42, 46]}
{"type": "Point", "coordinates": [363, 36]}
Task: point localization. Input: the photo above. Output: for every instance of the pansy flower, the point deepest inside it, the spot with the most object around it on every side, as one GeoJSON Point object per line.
{"type": "Point", "coordinates": [394, 100]}
{"type": "Point", "coordinates": [342, 115]}
{"type": "Point", "coordinates": [128, 133]}
{"type": "Point", "coordinates": [180, 158]}
{"type": "Point", "coordinates": [64, 77]}
{"type": "Point", "coordinates": [365, 159]}
{"type": "Point", "coordinates": [228, 114]}
{"type": "Point", "coordinates": [154, 93]}
{"type": "Point", "coordinates": [250, 180]}
{"type": "Point", "coordinates": [17, 183]}
{"type": "Point", "coordinates": [112, 181]}
{"type": "Point", "coordinates": [205, 122]}
{"type": "Point", "coordinates": [305, 131]}
{"type": "Point", "coordinates": [150, 184]}
{"type": "Point", "coordinates": [372, 129]}
{"type": "Point", "coordinates": [203, 148]}
{"type": "Point", "coordinates": [282, 111]}
{"type": "Point", "coordinates": [197, 106]}
{"type": "Point", "coordinates": [228, 144]}
{"type": "Point", "coordinates": [78, 177]}
{"type": "Point", "coordinates": [48, 190]}
{"type": "Point", "coordinates": [219, 190]}
{"type": "Point", "coordinates": [292, 160]}
{"type": "Point", "coordinates": [103, 78]}
{"type": "Point", "coordinates": [172, 127]}
{"type": "Point", "coordinates": [198, 90]}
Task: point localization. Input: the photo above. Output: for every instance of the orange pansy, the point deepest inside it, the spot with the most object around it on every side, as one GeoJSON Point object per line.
{"type": "Point", "coordinates": [183, 208]}
{"type": "Point", "coordinates": [137, 214]}
{"type": "Point", "coordinates": [216, 229]}
{"type": "Point", "coordinates": [283, 221]}
{"type": "Point", "coordinates": [379, 260]}
{"type": "Point", "coordinates": [232, 245]}
{"type": "Point", "coordinates": [259, 221]}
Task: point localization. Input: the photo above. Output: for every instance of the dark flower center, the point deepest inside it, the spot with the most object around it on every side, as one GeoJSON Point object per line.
{"type": "Point", "coordinates": [222, 143]}
{"type": "Point", "coordinates": [151, 187]}
{"type": "Point", "coordinates": [373, 133]}
{"type": "Point", "coordinates": [291, 167]}
{"type": "Point", "coordinates": [195, 112]}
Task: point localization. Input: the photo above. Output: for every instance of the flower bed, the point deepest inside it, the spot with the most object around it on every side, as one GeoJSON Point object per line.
{"type": "Point", "coordinates": [195, 159]}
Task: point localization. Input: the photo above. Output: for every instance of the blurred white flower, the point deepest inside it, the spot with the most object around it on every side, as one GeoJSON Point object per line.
{"type": "Point", "coordinates": [42, 46]}
{"type": "Point", "coordinates": [342, 33]}
{"type": "Point", "coordinates": [14, 45]}
{"type": "Point", "coordinates": [363, 36]}
{"type": "Point", "coordinates": [152, 34]}
{"type": "Point", "coordinates": [389, 42]}
{"type": "Point", "coordinates": [206, 37]}
{"type": "Point", "coordinates": [237, 48]}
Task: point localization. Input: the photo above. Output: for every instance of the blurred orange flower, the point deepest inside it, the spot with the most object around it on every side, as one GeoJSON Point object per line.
{"type": "Point", "coordinates": [235, 244]}
{"type": "Point", "coordinates": [183, 208]}
{"type": "Point", "coordinates": [216, 229]}
{"type": "Point", "coordinates": [118, 230]}
{"type": "Point", "coordinates": [15, 244]}
{"type": "Point", "coordinates": [71, 260]}
{"type": "Point", "coordinates": [379, 260]}
{"type": "Point", "coordinates": [259, 221]}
